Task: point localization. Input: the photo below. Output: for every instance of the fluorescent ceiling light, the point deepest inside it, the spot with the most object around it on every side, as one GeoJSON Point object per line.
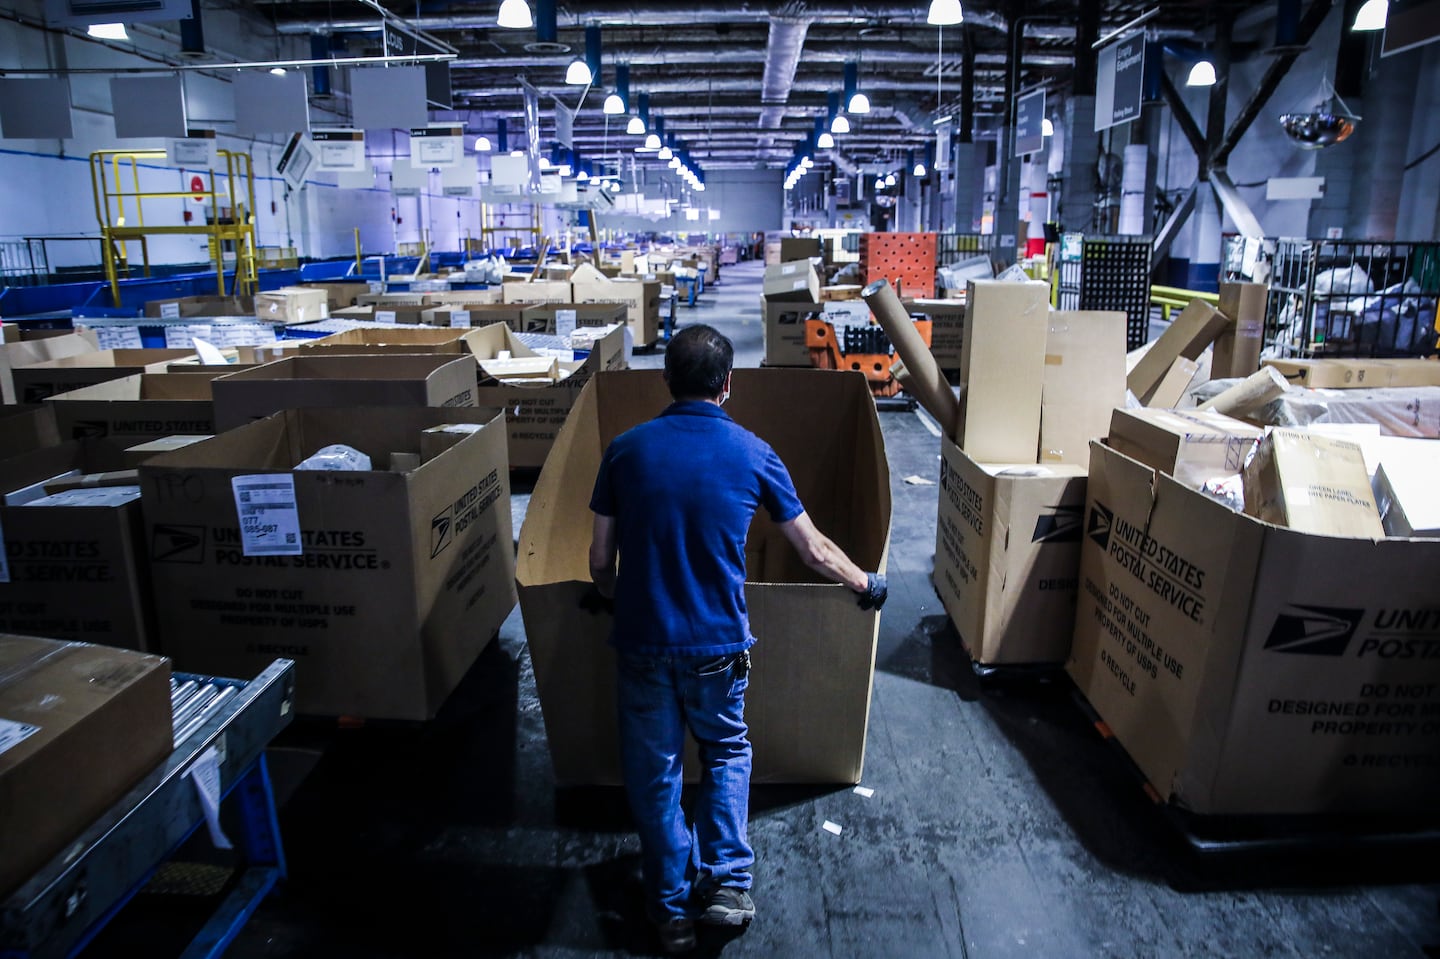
{"type": "Point", "coordinates": [666, 153]}
{"type": "Point", "coordinates": [826, 141]}
{"type": "Point", "coordinates": [919, 170]}
{"type": "Point", "coordinates": [859, 103]}
{"type": "Point", "coordinates": [652, 141]}
{"type": "Point", "coordinates": [614, 106]}
{"type": "Point", "coordinates": [1202, 74]}
{"type": "Point", "coordinates": [482, 145]}
{"type": "Point", "coordinates": [1372, 15]}
{"type": "Point", "coordinates": [945, 13]}
{"type": "Point", "coordinates": [578, 73]}
{"type": "Point", "coordinates": [636, 127]}
{"type": "Point", "coordinates": [840, 124]}
{"type": "Point", "coordinates": [1047, 127]}
{"type": "Point", "coordinates": [515, 15]}
{"type": "Point", "coordinates": [107, 31]}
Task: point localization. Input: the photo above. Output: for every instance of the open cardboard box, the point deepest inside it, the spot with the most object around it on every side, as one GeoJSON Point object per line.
{"type": "Point", "coordinates": [809, 697]}
{"type": "Point", "coordinates": [119, 414]}
{"type": "Point", "coordinates": [405, 574]}
{"type": "Point", "coordinates": [401, 339]}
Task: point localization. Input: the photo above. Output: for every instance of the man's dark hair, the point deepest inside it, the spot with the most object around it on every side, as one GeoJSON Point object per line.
{"type": "Point", "coordinates": [697, 360]}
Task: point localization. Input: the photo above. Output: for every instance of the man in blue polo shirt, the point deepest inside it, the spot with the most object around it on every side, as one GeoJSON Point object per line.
{"type": "Point", "coordinates": [674, 498]}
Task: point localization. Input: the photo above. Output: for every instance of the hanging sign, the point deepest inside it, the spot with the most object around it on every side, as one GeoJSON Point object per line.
{"type": "Point", "coordinates": [437, 145]}
{"type": "Point", "coordinates": [195, 149]}
{"type": "Point", "coordinates": [942, 143]}
{"type": "Point", "coordinates": [339, 150]}
{"type": "Point", "coordinates": [1030, 123]}
{"type": "Point", "coordinates": [1119, 82]}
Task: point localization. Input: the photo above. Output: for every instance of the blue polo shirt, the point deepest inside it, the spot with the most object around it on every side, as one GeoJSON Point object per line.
{"type": "Point", "coordinates": [683, 489]}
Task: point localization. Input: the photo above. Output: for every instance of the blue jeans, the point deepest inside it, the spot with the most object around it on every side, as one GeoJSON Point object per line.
{"type": "Point", "coordinates": [659, 698]}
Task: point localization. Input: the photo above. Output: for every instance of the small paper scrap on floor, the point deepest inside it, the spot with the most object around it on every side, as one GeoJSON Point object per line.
{"type": "Point", "coordinates": [919, 481]}
{"type": "Point", "coordinates": [831, 827]}
{"type": "Point", "coordinates": [865, 792]}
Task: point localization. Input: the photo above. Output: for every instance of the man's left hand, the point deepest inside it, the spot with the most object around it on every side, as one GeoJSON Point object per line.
{"type": "Point", "coordinates": [876, 592]}
{"type": "Point", "coordinates": [596, 602]}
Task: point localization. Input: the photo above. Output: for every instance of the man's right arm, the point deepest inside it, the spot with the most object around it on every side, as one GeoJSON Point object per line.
{"type": "Point", "coordinates": [821, 554]}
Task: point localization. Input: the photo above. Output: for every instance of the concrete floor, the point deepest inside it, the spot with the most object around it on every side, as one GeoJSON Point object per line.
{"type": "Point", "coordinates": [1000, 824]}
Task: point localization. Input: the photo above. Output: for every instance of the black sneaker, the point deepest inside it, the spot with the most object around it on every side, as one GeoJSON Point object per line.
{"type": "Point", "coordinates": [728, 906]}
{"type": "Point", "coordinates": [676, 936]}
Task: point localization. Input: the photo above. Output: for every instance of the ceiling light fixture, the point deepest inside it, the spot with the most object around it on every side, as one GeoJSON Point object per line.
{"type": "Point", "coordinates": [889, 179]}
{"type": "Point", "coordinates": [614, 186]}
{"type": "Point", "coordinates": [666, 153]}
{"type": "Point", "coordinates": [674, 163]}
{"type": "Point", "coordinates": [879, 183]}
{"type": "Point", "coordinates": [1047, 127]}
{"type": "Point", "coordinates": [107, 31]}
{"type": "Point", "coordinates": [582, 177]}
{"type": "Point", "coordinates": [515, 15]}
{"type": "Point", "coordinates": [825, 141]}
{"type": "Point", "coordinates": [919, 169]}
{"type": "Point", "coordinates": [636, 127]}
{"type": "Point", "coordinates": [482, 145]}
{"type": "Point", "coordinates": [859, 103]}
{"type": "Point", "coordinates": [945, 13]}
{"type": "Point", "coordinates": [1371, 16]}
{"type": "Point", "coordinates": [578, 73]}
{"type": "Point", "coordinates": [652, 141]}
{"type": "Point", "coordinates": [614, 105]}
{"type": "Point", "coordinates": [277, 71]}
{"type": "Point", "coordinates": [1202, 74]}
{"type": "Point", "coordinates": [840, 124]}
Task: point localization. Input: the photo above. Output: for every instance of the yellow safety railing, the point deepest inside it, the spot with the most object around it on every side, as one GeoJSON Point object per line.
{"type": "Point", "coordinates": [1171, 297]}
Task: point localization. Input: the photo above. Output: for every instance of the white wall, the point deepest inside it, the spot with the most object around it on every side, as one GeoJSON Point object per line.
{"type": "Point", "coordinates": [748, 201]}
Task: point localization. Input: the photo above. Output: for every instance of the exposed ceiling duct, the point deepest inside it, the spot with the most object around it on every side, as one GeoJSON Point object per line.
{"type": "Point", "coordinates": [782, 57]}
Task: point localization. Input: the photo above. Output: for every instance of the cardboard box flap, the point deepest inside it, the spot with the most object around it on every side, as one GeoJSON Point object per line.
{"type": "Point", "coordinates": [146, 386]}
{"type": "Point", "coordinates": [36, 466]}
{"type": "Point", "coordinates": [112, 359]}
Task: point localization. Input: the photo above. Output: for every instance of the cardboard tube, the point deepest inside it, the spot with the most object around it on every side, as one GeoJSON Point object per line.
{"type": "Point", "coordinates": [924, 377]}
{"type": "Point", "coordinates": [1249, 394]}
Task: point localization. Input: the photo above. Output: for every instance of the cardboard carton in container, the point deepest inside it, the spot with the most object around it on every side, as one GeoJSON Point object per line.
{"type": "Point", "coordinates": [299, 382]}
{"type": "Point", "coordinates": [40, 380]}
{"type": "Point", "coordinates": [1253, 669]}
{"type": "Point", "coordinates": [474, 315]}
{"type": "Point", "coordinates": [489, 295]}
{"type": "Point", "coordinates": [1195, 328]}
{"type": "Point", "coordinates": [1002, 366]}
{"type": "Point", "coordinates": [799, 248]}
{"type": "Point", "coordinates": [536, 291]}
{"type": "Point", "coordinates": [385, 300]}
{"type": "Point", "coordinates": [293, 304]}
{"type": "Point", "coordinates": [548, 317]}
{"type": "Point", "coordinates": [118, 414]}
{"type": "Point", "coordinates": [382, 584]}
{"type": "Point", "coordinates": [1190, 445]}
{"type": "Point", "coordinates": [339, 295]}
{"type": "Point", "coordinates": [1311, 483]}
{"type": "Point", "coordinates": [82, 725]}
{"type": "Point", "coordinates": [795, 281]}
{"type": "Point", "coordinates": [27, 352]}
{"type": "Point", "coordinates": [641, 299]}
{"type": "Point", "coordinates": [809, 696]}
{"type": "Point", "coordinates": [140, 452]}
{"type": "Point", "coordinates": [947, 328]}
{"type": "Point", "coordinates": [1404, 486]}
{"type": "Point", "coordinates": [407, 339]}
{"type": "Point", "coordinates": [1341, 374]}
{"type": "Point", "coordinates": [188, 307]}
{"type": "Point", "coordinates": [536, 409]}
{"type": "Point", "coordinates": [1007, 547]}
{"type": "Point", "coordinates": [77, 567]}
{"type": "Point", "coordinates": [1084, 381]}
{"type": "Point", "coordinates": [1237, 348]}
{"type": "Point", "coordinates": [784, 332]}
{"type": "Point", "coordinates": [26, 428]}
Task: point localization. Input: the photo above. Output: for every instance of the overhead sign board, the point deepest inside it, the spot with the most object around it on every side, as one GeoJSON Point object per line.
{"type": "Point", "coordinates": [1030, 123]}
{"type": "Point", "coordinates": [1119, 82]}
{"type": "Point", "coordinates": [399, 42]}
{"type": "Point", "coordinates": [437, 145]}
{"type": "Point", "coordinates": [340, 150]}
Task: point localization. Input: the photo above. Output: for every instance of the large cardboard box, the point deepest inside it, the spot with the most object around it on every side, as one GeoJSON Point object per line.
{"type": "Point", "coordinates": [37, 381]}
{"type": "Point", "coordinates": [542, 317]}
{"type": "Point", "coordinates": [401, 580]}
{"type": "Point", "coordinates": [798, 248]}
{"type": "Point", "coordinates": [1188, 335]}
{"type": "Point", "coordinates": [1174, 385]}
{"type": "Point", "coordinates": [339, 295]}
{"type": "Point", "coordinates": [791, 282]}
{"type": "Point", "coordinates": [27, 352]}
{"type": "Point", "coordinates": [1358, 373]}
{"type": "Point", "coordinates": [26, 428]}
{"type": "Point", "coordinates": [538, 291]}
{"type": "Point", "coordinates": [1313, 484]}
{"type": "Point", "coordinates": [641, 299]}
{"type": "Point", "coordinates": [299, 382]}
{"type": "Point", "coordinates": [293, 304]}
{"type": "Point", "coordinates": [1002, 366]}
{"type": "Point", "coordinates": [1007, 551]}
{"type": "Point", "coordinates": [119, 414]}
{"type": "Point", "coordinates": [1237, 349]}
{"type": "Point", "coordinates": [1084, 382]}
{"type": "Point", "coordinates": [77, 567]}
{"type": "Point", "coordinates": [784, 333]}
{"type": "Point", "coordinates": [535, 411]}
{"type": "Point", "coordinates": [188, 307]}
{"type": "Point", "coordinates": [490, 295]}
{"type": "Point", "coordinates": [474, 315]}
{"type": "Point", "coordinates": [1251, 669]}
{"type": "Point", "coordinates": [1190, 445]}
{"type": "Point", "coordinates": [399, 340]}
{"type": "Point", "coordinates": [947, 328]}
{"type": "Point", "coordinates": [809, 696]}
{"type": "Point", "coordinates": [81, 726]}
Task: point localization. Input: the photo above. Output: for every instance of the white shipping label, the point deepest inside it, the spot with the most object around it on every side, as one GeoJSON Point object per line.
{"type": "Point", "coordinates": [460, 318]}
{"type": "Point", "coordinates": [169, 311]}
{"type": "Point", "coordinates": [206, 776]}
{"type": "Point", "coordinates": [269, 519]}
{"type": "Point", "coordinates": [4, 558]}
{"type": "Point", "coordinates": [564, 323]}
{"type": "Point", "coordinates": [119, 337]}
{"type": "Point", "coordinates": [13, 733]}
{"type": "Point", "coordinates": [179, 337]}
{"type": "Point", "coordinates": [384, 316]}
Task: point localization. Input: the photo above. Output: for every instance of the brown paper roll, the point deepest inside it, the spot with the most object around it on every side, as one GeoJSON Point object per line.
{"type": "Point", "coordinates": [924, 377]}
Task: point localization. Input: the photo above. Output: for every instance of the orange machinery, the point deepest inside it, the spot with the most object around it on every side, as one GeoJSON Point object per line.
{"type": "Point", "coordinates": [869, 351]}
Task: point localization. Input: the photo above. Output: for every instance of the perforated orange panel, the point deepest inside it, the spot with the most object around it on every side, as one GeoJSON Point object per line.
{"type": "Point", "coordinates": [907, 260]}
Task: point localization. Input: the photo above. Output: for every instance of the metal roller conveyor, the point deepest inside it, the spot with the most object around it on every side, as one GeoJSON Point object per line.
{"type": "Point", "coordinates": [227, 722]}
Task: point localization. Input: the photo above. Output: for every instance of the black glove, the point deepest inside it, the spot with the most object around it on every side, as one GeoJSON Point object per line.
{"type": "Point", "coordinates": [594, 603]}
{"type": "Point", "coordinates": [876, 592]}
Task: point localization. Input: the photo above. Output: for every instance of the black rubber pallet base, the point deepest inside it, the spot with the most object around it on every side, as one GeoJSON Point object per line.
{"type": "Point", "coordinates": [1220, 837]}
